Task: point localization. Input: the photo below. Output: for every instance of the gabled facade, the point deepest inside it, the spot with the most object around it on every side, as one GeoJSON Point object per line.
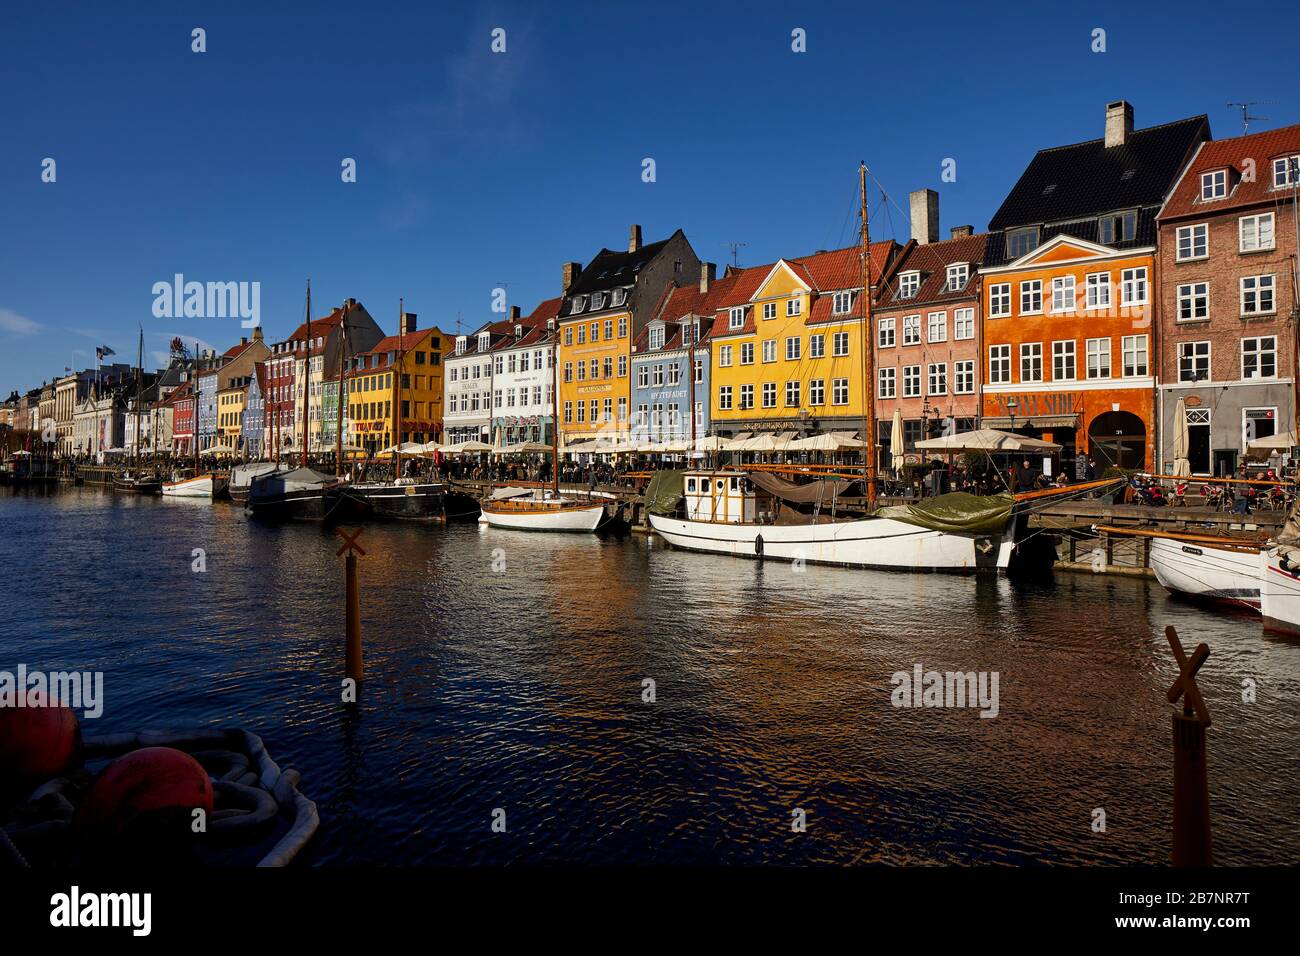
{"type": "Point", "coordinates": [467, 393]}
{"type": "Point", "coordinates": [606, 305]}
{"type": "Point", "coordinates": [523, 378]}
{"type": "Point", "coordinates": [379, 414]}
{"type": "Point", "coordinates": [1228, 300]}
{"type": "Point", "coordinates": [787, 350]}
{"type": "Point", "coordinates": [1069, 292]}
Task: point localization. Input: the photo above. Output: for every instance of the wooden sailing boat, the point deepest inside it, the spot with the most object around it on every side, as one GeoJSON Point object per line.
{"type": "Point", "coordinates": [545, 509]}
{"type": "Point", "coordinates": [731, 511]}
{"type": "Point", "coordinates": [133, 481]}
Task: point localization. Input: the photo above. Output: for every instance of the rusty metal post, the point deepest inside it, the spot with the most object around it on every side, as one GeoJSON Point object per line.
{"type": "Point", "coordinates": [1191, 843]}
{"type": "Point", "coordinates": [352, 662]}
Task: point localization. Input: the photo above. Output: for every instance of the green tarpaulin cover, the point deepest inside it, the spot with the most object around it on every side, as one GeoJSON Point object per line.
{"type": "Point", "coordinates": [973, 514]}
{"type": "Point", "coordinates": [665, 492]}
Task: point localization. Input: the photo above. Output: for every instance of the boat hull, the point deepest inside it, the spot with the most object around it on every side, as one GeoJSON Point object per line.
{"type": "Point", "coordinates": [1279, 593]}
{"type": "Point", "coordinates": [306, 505]}
{"type": "Point", "coordinates": [200, 486]}
{"type": "Point", "coordinates": [579, 519]}
{"type": "Point", "coordinates": [880, 543]}
{"type": "Point", "coordinates": [1205, 572]}
{"type": "Point", "coordinates": [132, 486]}
{"type": "Point", "coordinates": [418, 502]}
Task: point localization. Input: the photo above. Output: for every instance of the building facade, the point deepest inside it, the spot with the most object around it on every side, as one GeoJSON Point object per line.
{"type": "Point", "coordinates": [523, 378]}
{"type": "Point", "coordinates": [1228, 300]}
{"type": "Point", "coordinates": [394, 390]}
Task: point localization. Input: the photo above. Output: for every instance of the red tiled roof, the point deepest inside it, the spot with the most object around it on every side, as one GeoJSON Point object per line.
{"type": "Point", "coordinates": [1261, 148]}
{"type": "Point", "coordinates": [678, 302]}
{"type": "Point", "coordinates": [932, 261]}
{"type": "Point", "coordinates": [318, 326]}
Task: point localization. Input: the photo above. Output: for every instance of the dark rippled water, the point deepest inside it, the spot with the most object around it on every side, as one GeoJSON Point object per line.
{"type": "Point", "coordinates": [521, 689]}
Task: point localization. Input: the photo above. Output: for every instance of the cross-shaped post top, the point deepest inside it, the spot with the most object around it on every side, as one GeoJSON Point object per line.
{"type": "Point", "coordinates": [350, 541]}
{"type": "Point", "coordinates": [1185, 686]}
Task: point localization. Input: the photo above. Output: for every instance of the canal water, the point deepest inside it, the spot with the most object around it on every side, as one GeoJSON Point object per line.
{"type": "Point", "coordinates": [506, 670]}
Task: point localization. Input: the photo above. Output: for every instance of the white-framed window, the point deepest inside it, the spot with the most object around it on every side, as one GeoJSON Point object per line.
{"type": "Point", "coordinates": [958, 276]}
{"type": "Point", "coordinates": [963, 377]}
{"type": "Point", "coordinates": [736, 318]}
{"type": "Point", "coordinates": [1063, 361]}
{"type": "Point", "coordinates": [963, 324]}
{"type": "Point", "coordinates": [1031, 296]}
{"type": "Point", "coordinates": [1022, 241]}
{"type": "Point", "coordinates": [769, 350]}
{"type": "Point", "coordinates": [622, 366]}
{"type": "Point", "coordinates": [1133, 286]}
{"type": "Point", "coordinates": [886, 382]}
{"type": "Point", "coordinates": [911, 381]}
{"type": "Point", "coordinates": [622, 327]}
{"type": "Point", "coordinates": [769, 394]}
{"type": "Point", "coordinates": [792, 394]}
{"type": "Point", "coordinates": [1135, 355]}
{"type": "Point", "coordinates": [999, 300]}
{"type": "Point", "coordinates": [674, 374]}
{"type": "Point", "coordinates": [724, 356]}
{"type": "Point", "coordinates": [642, 373]}
{"type": "Point", "coordinates": [724, 398]}
{"type": "Point", "coordinates": [1193, 361]}
{"type": "Point", "coordinates": [937, 375]}
{"type": "Point", "coordinates": [885, 333]}
{"type": "Point", "coordinates": [1063, 294]}
{"type": "Point", "coordinates": [842, 303]}
{"type": "Point", "coordinates": [1193, 301]}
{"type": "Point", "coordinates": [937, 327]}
{"type": "Point", "coordinates": [1000, 364]}
{"type": "Point", "coordinates": [1286, 171]}
{"type": "Point", "coordinates": [1256, 232]}
{"type": "Point", "coordinates": [839, 391]}
{"type": "Point", "coordinates": [1259, 357]}
{"type": "Point", "coordinates": [793, 348]}
{"type": "Point", "coordinates": [1214, 185]}
{"type": "Point", "coordinates": [817, 345]}
{"type": "Point", "coordinates": [746, 353]}
{"type": "Point", "coordinates": [794, 306]}
{"type": "Point", "coordinates": [911, 329]}
{"type": "Point", "coordinates": [746, 396]}
{"type": "Point", "coordinates": [658, 375]}
{"type": "Point", "coordinates": [1031, 361]}
{"type": "Point", "coordinates": [1193, 242]}
{"type": "Point", "coordinates": [1098, 358]}
{"type": "Point", "coordinates": [769, 310]}
{"type": "Point", "coordinates": [1096, 291]}
{"type": "Point", "coordinates": [1257, 295]}
{"type": "Point", "coordinates": [656, 337]}
{"type": "Point", "coordinates": [909, 283]}
{"type": "Point", "coordinates": [839, 344]}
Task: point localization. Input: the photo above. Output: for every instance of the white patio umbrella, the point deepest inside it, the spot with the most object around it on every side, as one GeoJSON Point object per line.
{"type": "Point", "coordinates": [710, 443]}
{"type": "Point", "coordinates": [897, 443]}
{"type": "Point", "coordinates": [1182, 467]}
{"type": "Point", "coordinates": [1283, 441]}
{"type": "Point", "coordinates": [405, 448]}
{"type": "Point", "coordinates": [826, 441]}
{"type": "Point", "coordinates": [218, 450]}
{"type": "Point", "coordinates": [525, 448]}
{"type": "Point", "coordinates": [986, 440]}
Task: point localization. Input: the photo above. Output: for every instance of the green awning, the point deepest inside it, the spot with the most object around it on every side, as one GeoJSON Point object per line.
{"type": "Point", "coordinates": [665, 492]}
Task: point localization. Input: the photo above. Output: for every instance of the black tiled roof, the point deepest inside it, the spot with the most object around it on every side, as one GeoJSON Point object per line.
{"type": "Point", "coordinates": [1087, 179]}
{"type": "Point", "coordinates": [610, 270]}
{"type": "Point", "coordinates": [995, 253]}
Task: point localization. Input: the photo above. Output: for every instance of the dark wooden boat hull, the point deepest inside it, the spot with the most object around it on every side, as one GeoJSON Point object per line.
{"type": "Point", "coordinates": [313, 504]}
{"type": "Point", "coordinates": [420, 502]}
{"type": "Point", "coordinates": [138, 487]}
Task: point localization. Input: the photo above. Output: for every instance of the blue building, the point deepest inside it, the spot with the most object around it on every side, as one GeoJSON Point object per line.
{"type": "Point", "coordinates": [667, 392]}
{"type": "Point", "coordinates": [252, 433]}
{"type": "Point", "coordinates": [206, 387]}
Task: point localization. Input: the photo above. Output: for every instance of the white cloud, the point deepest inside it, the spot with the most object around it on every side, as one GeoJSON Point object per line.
{"type": "Point", "coordinates": [12, 322]}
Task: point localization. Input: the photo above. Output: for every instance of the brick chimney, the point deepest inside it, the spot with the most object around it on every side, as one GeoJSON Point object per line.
{"type": "Point", "coordinates": [571, 271]}
{"type": "Point", "coordinates": [708, 271]}
{"type": "Point", "coordinates": [514, 313]}
{"type": "Point", "coordinates": [634, 239]}
{"type": "Point", "coordinates": [961, 232]}
{"type": "Point", "coordinates": [257, 333]}
{"type": "Point", "coordinates": [1119, 123]}
{"type": "Point", "coordinates": [409, 322]}
{"type": "Point", "coordinates": [925, 216]}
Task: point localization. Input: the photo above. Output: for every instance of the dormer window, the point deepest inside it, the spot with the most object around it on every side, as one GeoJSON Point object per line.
{"type": "Point", "coordinates": [618, 297]}
{"type": "Point", "coordinates": [656, 337]}
{"type": "Point", "coordinates": [1022, 241]}
{"type": "Point", "coordinates": [690, 331]}
{"type": "Point", "coordinates": [1118, 227]}
{"type": "Point", "coordinates": [485, 341]}
{"type": "Point", "coordinates": [578, 303]}
{"type": "Point", "coordinates": [597, 301]}
{"type": "Point", "coordinates": [842, 303]}
{"type": "Point", "coordinates": [519, 331]}
{"type": "Point", "coordinates": [909, 284]}
{"type": "Point", "coordinates": [1286, 171]}
{"type": "Point", "coordinates": [1214, 185]}
{"type": "Point", "coordinates": [460, 345]}
{"type": "Point", "coordinates": [736, 318]}
{"type": "Point", "coordinates": [958, 276]}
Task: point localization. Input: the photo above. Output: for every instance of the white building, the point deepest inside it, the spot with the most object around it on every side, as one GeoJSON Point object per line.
{"type": "Point", "coordinates": [523, 379]}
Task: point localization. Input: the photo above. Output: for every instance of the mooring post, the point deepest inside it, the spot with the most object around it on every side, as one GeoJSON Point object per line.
{"type": "Point", "coordinates": [1191, 787]}
{"type": "Point", "coordinates": [352, 663]}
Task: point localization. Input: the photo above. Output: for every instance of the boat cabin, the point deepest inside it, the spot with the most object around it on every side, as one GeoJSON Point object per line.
{"type": "Point", "coordinates": [727, 497]}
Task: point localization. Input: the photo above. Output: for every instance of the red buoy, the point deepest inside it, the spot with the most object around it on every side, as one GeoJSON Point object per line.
{"type": "Point", "coordinates": [154, 782]}
{"type": "Point", "coordinates": [37, 742]}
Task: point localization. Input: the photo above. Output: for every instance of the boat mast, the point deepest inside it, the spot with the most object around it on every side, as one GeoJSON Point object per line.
{"type": "Point", "coordinates": [194, 427]}
{"type": "Point", "coordinates": [139, 385]}
{"type": "Point", "coordinates": [338, 404]}
{"type": "Point", "coordinates": [869, 370]}
{"type": "Point", "coordinates": [690, 371]}
{"type": "Point", "coordinates": [555, 408]}
{"type": "Point", "coordinates": [306, 378]}
{"type": "Point", "coordinates": [397, 409]}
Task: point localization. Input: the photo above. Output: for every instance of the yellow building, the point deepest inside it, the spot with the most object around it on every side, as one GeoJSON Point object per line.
{"type": "Point", "coordinates": [786, 353]}
{"type": "Point", "coordinates": [379, 406]}
{"type": "Point", "coordinates": [605, 306]}
{"type": "Point", "coordinates": [230, 412]}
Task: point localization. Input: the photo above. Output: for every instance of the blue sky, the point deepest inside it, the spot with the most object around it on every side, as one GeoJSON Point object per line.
{"type": "Point", "coordinates": [476, 170]}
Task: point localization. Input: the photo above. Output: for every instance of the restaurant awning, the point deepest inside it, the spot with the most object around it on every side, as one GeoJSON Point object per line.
{"type": "Point", "coordinates": [1031, 421]}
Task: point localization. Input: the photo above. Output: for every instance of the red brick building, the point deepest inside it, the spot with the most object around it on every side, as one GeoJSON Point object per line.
{"type": "Point", "coordinates": [1227, 323]}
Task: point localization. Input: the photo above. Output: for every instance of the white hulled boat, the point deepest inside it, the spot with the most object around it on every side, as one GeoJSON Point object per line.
{"type": "Point", "coordinates": [208, 485]}
{"type": "Point", "coordinates": [1203, 568]}
{"type": "Point", "coordinates": [1279, 578]}
{"type": "Point", "coordinates": [543, 510]}
{"type": "Point", "coordinates": [724, 512]}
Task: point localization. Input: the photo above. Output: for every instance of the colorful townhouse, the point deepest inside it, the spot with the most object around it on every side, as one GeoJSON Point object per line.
{"type": "Point", "coordinates": [231, 401]}
{"type": "Point", "coordinates": [1069, 291]}
{"type": "Point", "coordinates": [787, 350]}
{"type": "Point", "coordinates": [523, 378]}
{"type": "Point", "coordinates": [1228, 300]}
{"type": "Point", "coordinates": [183, 404]}
{"type": "Point", "coordinates": [467, 408]}
{"type": "Point", "coordinates": [393, 391]}
{"type": "Point", "coordinates": [252, 434]}
{"type": "Point", "coordinates": [606, 306]}
{"type": "Point", "coordinates": [670, 362]}
{"type": "Point", "coordinates": [926, 319]}
{"type": "Point", "coordinates": [218, 374]}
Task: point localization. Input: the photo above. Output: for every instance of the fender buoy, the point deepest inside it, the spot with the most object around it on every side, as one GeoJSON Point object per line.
{"type": "Point", "coordinates": [149, 783]}
{"type": "Point", "coordinates": [38, 742]}
{"type": "Point", "coordinates": [758, 545]}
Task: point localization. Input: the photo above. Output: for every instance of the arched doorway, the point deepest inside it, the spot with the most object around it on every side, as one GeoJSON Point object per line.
{"type": "Point", "coordinates": [1118, 438]}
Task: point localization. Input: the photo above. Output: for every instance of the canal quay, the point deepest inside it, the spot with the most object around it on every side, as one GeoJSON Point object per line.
{"type": "Point", "coordinates": [507, 679]}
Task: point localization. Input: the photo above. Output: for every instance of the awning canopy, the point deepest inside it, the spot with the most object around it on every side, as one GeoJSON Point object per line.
{"type": "Point", "coordinates": [1031, 421]}
{"type": "Point", "coordinates": [986, 440]}
{"type": "Point", "coordinates": [827, 441]}
{"type": "Point", "coordinates": [1282, 440]}
{"type": "Point", "coordinates": [812, 492]}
